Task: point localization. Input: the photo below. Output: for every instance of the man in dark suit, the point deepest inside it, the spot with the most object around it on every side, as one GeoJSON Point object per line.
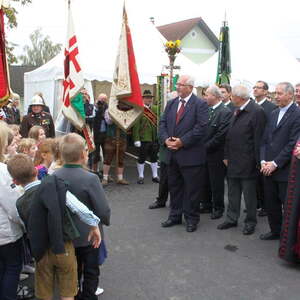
{"type": "Point", "coordinates": [218, 121]}
{"type": "Point", "coordinates": [297, 94]}
{"type": "Point", "coordinates": [279, 139]}
{"type": "Point", "coordinates": [182, 129]}
{"type": "Point", "coordinates": [260, 92]}
{"type": "Point", "coordinates": [225, 89]}
{"type": "Point", "coordinates": [242, 158]}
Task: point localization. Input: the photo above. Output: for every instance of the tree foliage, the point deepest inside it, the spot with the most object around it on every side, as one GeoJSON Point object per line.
{"type": "Point", "coordinates": [41, 50]}
{"type": "Point", "coordinates": [11, 14]}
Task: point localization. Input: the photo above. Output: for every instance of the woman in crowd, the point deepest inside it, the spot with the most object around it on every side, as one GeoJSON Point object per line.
{"type": "Point", "coordinates": [11, 230]}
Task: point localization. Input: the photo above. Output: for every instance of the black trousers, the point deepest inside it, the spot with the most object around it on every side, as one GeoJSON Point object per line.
{"type": "Point", "coordinates": [185, 185]}
{"type": "Point", "coordinates": [10, 269]}
{"type": "Point", "coordinates": [88, 267]}
{"type": "Point", "coordinates": [148, 149]}
{"type": "Point", "coordinates": [163, 189]}
{"type": "Point", "coordinates": [260, 191]}
{"type": "Point", "coordinates": [275, 194]}
{"type": "Point", "coordinates": [215, 176]}
{"type": "Point", "coordinates": [99, 142]}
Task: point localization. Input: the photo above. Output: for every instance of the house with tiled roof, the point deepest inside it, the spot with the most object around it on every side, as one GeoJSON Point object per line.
{"type": "Point", "coordinates": [198, 42]}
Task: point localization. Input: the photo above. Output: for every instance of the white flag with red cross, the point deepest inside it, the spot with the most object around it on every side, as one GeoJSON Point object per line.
{"type": "Point", "coordinates": [73, 104]}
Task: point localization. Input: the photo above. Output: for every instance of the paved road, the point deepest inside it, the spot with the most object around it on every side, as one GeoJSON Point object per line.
{"type": "Point", "coordinates": [147, 262]}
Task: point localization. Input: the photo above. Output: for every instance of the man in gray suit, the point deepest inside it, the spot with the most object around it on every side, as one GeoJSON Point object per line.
{"type": "Point", "coordinates": [87, 188]}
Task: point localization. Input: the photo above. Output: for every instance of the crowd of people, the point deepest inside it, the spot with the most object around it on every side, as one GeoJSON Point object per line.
{"type": "Point", "coordinates": [53, 205]}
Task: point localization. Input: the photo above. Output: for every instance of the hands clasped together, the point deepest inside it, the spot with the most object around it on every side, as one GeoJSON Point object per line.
{"type": "Point", "coordinates": [173, 143]}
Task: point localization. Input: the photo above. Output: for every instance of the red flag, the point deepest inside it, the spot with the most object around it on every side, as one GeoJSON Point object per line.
{"type": "Point", "coordinates": [4, 77]}
{"type": "Point", "coordinates": [125, 103]}
{"type": "Point", "coordinates": [136, 96]}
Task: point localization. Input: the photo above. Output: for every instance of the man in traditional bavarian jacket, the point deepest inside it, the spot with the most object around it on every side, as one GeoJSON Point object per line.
{"type": "Point", "coordinates": [37, 117]}
{"type": "Point", "coordinates": [145, 138]}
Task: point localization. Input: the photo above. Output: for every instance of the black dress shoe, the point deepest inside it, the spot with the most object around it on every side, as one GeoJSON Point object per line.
{"type": "Point", "coordinates": [155, 179]}
{"type": "Point", "coordinates": [191, 227]}
{"type": "Point", "coordinates": [262, 213]}
{"type": "Point", "coordinates": [248, 229]}
{"type": "Point", "coordinates": [226, 225]}
{"type": "Point", "coordinates": [140, 180]}
{"type": "Point", "coordinates": [216, 214]}
{"type": "Point", "coordinates": [155, 205]}
{"type": "Point", "coordinates": [170, 223]}
{"type": "Point", "coordinates": [270, 236]}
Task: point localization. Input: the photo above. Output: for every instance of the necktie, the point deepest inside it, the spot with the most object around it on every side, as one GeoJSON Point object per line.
{"type": "Point", "coordinates": [237, 112]}
{"type": "Point", "coordinates": [180, 111]}
{"type": "Point", "coordinates": [210, 113]}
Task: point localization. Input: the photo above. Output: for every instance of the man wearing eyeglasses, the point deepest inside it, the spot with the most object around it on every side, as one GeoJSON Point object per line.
{"type": "Point", "coordinates": [260, 92]}
{"type": "Point", "coordinates": [297, 94]}
{"type": "Point", "coordinates": [182, 130]}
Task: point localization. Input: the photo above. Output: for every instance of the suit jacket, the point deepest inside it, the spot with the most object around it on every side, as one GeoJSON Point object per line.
{"type": "Point", "coordinates": [87, 188]}
{"type": "Point", "coordinates": [218, 125]}
{"type": "Point", "coordinates": [191, 129]}
{"type": "Point", "coordinates": [243, 141]}
{"type": "Point", "coordinates": [268, 108]}
{"type": "Point", "coordinates": [278, 141]}
{"type": "Point", "coordinates": [231, 107]}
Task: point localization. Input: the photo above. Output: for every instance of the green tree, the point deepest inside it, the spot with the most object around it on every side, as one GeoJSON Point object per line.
{"type": "Point", "coordinates": [41, 50]}
{"type": "Point", "coordinates": [11, 14]}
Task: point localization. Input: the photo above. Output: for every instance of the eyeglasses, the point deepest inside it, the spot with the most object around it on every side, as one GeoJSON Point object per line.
{"type": "Point", "coordinates": [258, 87]}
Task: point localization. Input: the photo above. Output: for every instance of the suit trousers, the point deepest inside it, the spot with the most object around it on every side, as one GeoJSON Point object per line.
{"type": "Point", "coordinates": [163, 189]}
{"type": "Point", "coordinates": [87, 264]}
{"type": "Point", "coordinates": [260, 191]}
{"type": "Point", "coordinates": [237, 187]}
{"type": "Point", "coordinates": [275, 194]}
{"type": "Point", "coordinates": [216, 175]}
{"type": "Point", "coordinates": [185, 185]}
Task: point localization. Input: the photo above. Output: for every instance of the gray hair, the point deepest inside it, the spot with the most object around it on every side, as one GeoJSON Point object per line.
{"type": "Point", "coordinates": [214, 90]}
{"type": "Point", "coordinates": [287, 87]}
{"type": "Point", "coordinates": [241, 91]}
{"type": "Point", "coordinates": [190, 80]}
{"type": "Point", "coordinates": [297, 84]}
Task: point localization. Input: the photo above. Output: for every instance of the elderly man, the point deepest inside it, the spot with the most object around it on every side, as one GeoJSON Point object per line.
{"type": "Point", "coordinates": [99, 128]}
{"type": "Point", "coordinates": [280, 136]}
{"type": "Point", "coordinates": [218, 121]}
{"type": "Point", "coordinates": [297, 94]}
{"type": "Point", "coordinates": [37, 117]}
{"type": "Point", "coordinates": [182, 129]}
{"type": "Point", "coordinates": [242, 158]}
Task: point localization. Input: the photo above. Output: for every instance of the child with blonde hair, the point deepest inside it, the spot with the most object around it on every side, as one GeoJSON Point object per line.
{"type": "Point", "coordinates": [57, 160]}
{"type": "Point", "coordinates": [27, 146]}
{"type": "Point", "coordinates": [44, 157]}
{"type": "Point", "coordinates": [38, 133]}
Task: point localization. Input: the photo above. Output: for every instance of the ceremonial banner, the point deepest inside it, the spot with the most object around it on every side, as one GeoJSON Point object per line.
{"type": "Point", "coordinates": [125, 103]}
{"type": "Point", "coordinates": [4, 75]}
{"type": "Point", "coordinates": [224, 64]}
{"type": "Point", "coordinates": [73, 104]}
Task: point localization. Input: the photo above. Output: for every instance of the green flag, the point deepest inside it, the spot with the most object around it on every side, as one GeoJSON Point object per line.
{"type": "Point", "coordinates": [77, 103]}
{"type": "Point", "coordinates": [224, 65]}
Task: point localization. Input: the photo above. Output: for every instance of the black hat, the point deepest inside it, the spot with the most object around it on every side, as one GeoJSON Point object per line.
{"type": "Point", "coordinates": [147, 94]}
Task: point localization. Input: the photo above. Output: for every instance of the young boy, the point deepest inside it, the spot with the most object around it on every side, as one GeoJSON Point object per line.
{"type": "Point", "coordinates": [87, 188]}
{"type": "Point", "coordinates": [50, 227]}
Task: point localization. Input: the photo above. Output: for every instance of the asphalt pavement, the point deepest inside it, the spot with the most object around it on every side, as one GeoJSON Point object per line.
{"type": "Point", "coordinates": [148, 262]}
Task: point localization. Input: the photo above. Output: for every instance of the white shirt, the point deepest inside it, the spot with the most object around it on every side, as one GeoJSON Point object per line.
{"type": "Point", "coordinates": [244, 105]}
{"type": "Point", "coordinates": [261, 101]}
{"type": "Point", "coordinates": [216, 105]}
{"type": "Point", "coordinates": [282, 111]}
{"type": "Point", "coordinates": [227, 102]}
{"type": "Point", "coordinates": [186, 99]}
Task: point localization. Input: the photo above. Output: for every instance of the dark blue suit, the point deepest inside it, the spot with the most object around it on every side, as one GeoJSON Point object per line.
{"type": "Point", "coordinates": [277, 145]}
{"type": "Point", "coordinates": [186, 165]}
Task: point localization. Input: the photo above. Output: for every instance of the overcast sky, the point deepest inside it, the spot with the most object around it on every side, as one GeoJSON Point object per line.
{"type": "Point", "coordinates": [278, 18]}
